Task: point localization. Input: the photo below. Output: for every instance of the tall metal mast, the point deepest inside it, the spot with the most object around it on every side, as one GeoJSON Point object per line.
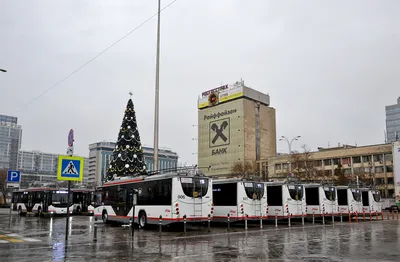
{"type": "Point", "coordinates": [156, 107]}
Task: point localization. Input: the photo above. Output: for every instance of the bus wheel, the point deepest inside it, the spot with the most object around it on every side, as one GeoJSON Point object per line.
{"type": "Point", "coordinates": [142, 219]}
{"type": "Point", "coordinates": [105, 217]}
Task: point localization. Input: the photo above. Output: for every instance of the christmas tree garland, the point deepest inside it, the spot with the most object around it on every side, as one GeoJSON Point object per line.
{"type": "Point", "coordinates": [128, 158]}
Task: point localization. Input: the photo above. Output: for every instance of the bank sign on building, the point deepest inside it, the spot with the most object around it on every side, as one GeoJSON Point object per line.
{"type": "Point", "coordinates": [220, 139]}
{"type": "Point", "coordinates": [226, 134]}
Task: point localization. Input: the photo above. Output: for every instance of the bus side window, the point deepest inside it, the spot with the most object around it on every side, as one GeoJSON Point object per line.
{"type": "Point", "coordinates": [98, 199]}
{"type": "Point", "coordinates": [122, 196]}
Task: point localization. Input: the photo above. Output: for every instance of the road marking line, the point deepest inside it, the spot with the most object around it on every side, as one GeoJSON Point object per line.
{"type": "Point", "coordinates": [12, 235]}
{"type": "Point", "coordinates": [14, 240]}
{"type": "Point", "coordinates": [31, 239]}
{"type": "Point", "coordinates": [3, 241]}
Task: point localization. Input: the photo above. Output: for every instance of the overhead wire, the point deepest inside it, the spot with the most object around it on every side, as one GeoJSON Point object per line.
{"type": "Point", "coordinates": [92, 59]}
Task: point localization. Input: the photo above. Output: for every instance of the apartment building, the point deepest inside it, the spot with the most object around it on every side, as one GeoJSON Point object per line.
{"type": "Point", "coordinates": [373, 163]}
{"type": "Point", "coordinates": [10, 141]}
{"type": "Point", "coordinates": [393, 122]}
{"type": "Point", "coordinates": [39, 167]}
{"type": "Point", "coordinates": [236, 124]}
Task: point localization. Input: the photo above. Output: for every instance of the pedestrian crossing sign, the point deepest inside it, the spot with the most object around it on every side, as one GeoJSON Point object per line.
{"type": "Point", "coordinates": [70, 168]}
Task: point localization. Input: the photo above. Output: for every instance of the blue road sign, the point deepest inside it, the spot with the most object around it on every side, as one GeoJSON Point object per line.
{"type": "Point", "coordinates": [70, 168]}
{"type": "Point", "coordinates": [14, 176]}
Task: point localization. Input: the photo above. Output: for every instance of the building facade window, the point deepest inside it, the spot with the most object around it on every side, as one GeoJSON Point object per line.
{"type": "Point", "coordinates": [327, 162]}
{"type": "Point", "coordinates": [356, 159]}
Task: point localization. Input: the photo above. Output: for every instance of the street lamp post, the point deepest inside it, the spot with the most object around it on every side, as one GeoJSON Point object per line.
{"type": "Point", "coordinates": [289, 142]}
{"type": "Point", "coordinates": [157, 99]}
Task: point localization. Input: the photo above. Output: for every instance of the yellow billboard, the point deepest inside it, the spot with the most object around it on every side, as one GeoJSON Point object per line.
{"type": "Point", "coordinates": [221, 137]}
{"type": "Point", "coordinates": [223, 96]}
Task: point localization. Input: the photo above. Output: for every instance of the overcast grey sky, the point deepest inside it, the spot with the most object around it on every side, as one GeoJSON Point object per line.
{"type": "Point", "coordinates": [330, 67]}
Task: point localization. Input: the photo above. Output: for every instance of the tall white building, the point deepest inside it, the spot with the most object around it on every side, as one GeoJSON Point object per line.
{"type": "Point", "coordinates": [393, 122]}
{"type": "Point", "coordinates": [10, 141]}
{"type": "Point", "coordinates": [100, 155]}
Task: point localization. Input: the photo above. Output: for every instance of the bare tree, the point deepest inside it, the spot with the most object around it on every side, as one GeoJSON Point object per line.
{"type": "Point", "coordinates": [243, 169]}
{"type": "Point", "coordinates": [340, 176]}
{"type": "Point", "coordinates": [3, 184]}
{"type": "Point", "coordinates": [364, 175]}
{"type": "Point", "coordinates": [303, 164]}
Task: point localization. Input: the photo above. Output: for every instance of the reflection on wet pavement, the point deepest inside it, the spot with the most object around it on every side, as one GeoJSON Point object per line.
{"type": "Point", "coordinates": [44, 241]}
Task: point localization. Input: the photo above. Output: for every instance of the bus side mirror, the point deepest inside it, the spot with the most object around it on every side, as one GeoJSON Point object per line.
{"type": "Point", "coordinates": [134, 199]}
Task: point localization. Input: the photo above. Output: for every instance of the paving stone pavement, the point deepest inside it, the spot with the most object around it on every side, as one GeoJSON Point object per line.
{"type": "Point", "coordinates": [363, 241]}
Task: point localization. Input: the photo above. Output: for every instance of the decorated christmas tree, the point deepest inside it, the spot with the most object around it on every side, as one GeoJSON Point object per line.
{"type": "Point", "coordinates": [127, 157]}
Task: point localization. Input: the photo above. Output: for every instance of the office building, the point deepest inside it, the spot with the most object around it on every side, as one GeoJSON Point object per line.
{"type": "Point", "coordinates": [393, 122]}
{"type": "Point", "coordinates": [235, 125]}
{"type": "Point", "coordinates": [100, 155]}
{"type": "Point", "coordinates": [10, 142]}
{"type": "Point", "coordinates": [373, 164]}
{"type": "Point", "coordinates": [39, 168]}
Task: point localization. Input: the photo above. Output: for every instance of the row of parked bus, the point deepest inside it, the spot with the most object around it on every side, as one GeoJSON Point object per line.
{"type": "Point", "coordinates": [186, 194]}
{"type": "Point", "coordinates": [53, 201]}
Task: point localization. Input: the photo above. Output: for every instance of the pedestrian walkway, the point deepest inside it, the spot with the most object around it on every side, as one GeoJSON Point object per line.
{"type": "Point", "coordinates": [15, 238]}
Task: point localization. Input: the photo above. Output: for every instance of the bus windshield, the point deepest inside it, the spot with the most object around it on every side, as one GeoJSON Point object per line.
{"type": "Point", "coordinates": [59, 198]}
{"type": "Point", "coordinates": [377, 195]}
{"type": "Point", "coordinates": [249, 188]}
{"type": "Point", "coordinates": [296, 191]}
{"type": "Point", "coordinates": [330, 193]}
{"type": "Point", "coordinates": [194, 186]}
{"type": "Point", "coordinates": [259, 190]}
{"type": "Point", "coordinates": [254, 190]}
{"type": "Point", "coordinates": [356, 194]}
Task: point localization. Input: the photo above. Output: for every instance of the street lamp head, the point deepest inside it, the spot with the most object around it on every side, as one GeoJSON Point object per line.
{"type": "Point", "coordinates": [3, 70]}
{"type": "Point", "coordinates": [298, 136]}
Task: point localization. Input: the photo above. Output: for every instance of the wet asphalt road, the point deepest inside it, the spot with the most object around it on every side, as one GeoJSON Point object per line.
{"type": "Point", "coordinates": [43, 239]}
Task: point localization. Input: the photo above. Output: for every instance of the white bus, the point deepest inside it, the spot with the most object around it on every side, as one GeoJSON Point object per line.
{"type": "Point", "coordinates": [83, 201]}
{"type": "Point", "coordinates": [371, 199]}
{"type": "Point", "coordinates": [42, 201]}
{"type": "Point", "coordinates": [349, 200]}
{"type": "Point", "coordinates": [186, 192]}
{"type": "Point", "coordinates": [239, 198]}
{"type": "Point", "coordinates": [320, 200]}
{"type": "Point", "coordinates": [285, 199]}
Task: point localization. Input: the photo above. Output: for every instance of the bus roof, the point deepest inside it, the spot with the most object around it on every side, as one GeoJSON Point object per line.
{"type": "Point", "coordinates": [82, 190]}
{"type": "Point", "coordinates": [342, 187]}
{"type": "Point", "coordinates": [40, 189]}
{"type": "Point", "coordinates": [313, 185]}
{"type": "Point", "coordinates": [132, 179]}
{"type": "Point", "coordinates": [272, 183]}
{"type": "Point", "coordinates": [232, 180]}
